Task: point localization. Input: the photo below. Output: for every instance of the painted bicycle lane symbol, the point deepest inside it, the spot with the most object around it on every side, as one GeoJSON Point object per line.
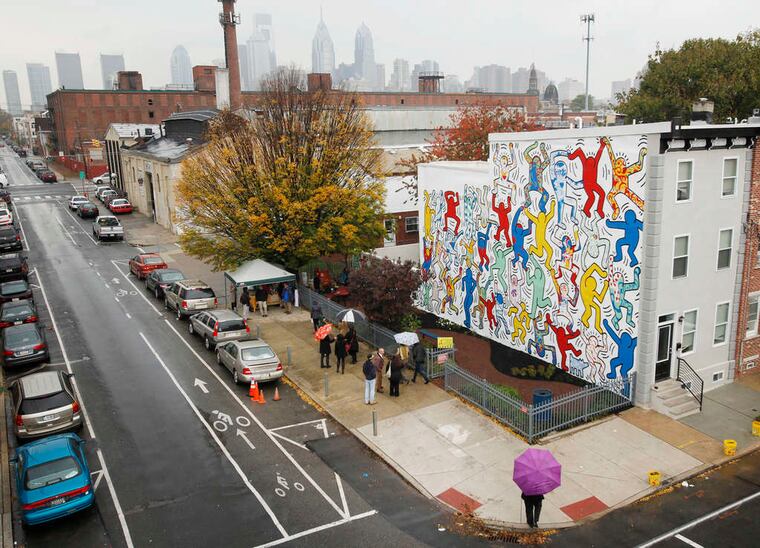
{"type": "Point", "coordinates": [282, 491]}
{"type": "Point", "coordinates": [223, 421]}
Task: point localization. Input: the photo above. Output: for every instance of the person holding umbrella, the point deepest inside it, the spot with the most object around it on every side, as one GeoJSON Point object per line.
{"type": "Point", "coordinates": [536, 472]}
{"type": "Point", "coordinates": [533, 505]}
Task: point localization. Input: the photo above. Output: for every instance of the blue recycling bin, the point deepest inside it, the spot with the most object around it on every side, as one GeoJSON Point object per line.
{"type": "Point", "coordinates": [542, 396]}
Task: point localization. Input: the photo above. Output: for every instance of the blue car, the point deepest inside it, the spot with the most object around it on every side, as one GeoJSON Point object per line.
{"type": "Point", "coordinates": [53, 478]}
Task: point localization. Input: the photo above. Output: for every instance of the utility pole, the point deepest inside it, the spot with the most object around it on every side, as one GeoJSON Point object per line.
{"type": "Point", "coordinates": [587, 18]}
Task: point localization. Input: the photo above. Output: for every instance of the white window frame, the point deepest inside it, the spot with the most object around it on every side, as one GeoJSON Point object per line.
{"type": "Point", "coordinates": [749, 333]}
{"type": "Point", "coordinates": [673, 260]}
{"type": "Point", "coordinates": [691, 181]}
{"type": "Point", "coordinates": [718, 376]}
{"type": "Point", "coordinates": [728, 323]}
{"type": "Point", "coordinates": [723, 177]}
{"type": "Point", "coordinates": [406, 224]}
{"type": "Point", "coordinates": [730, 255]}
{"type": "Point", "coordinates": [683, 331]}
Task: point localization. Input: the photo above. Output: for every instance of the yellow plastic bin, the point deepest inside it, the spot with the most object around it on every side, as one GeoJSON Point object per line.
{"type": "Point", "coordinates": [756, 428]}
{"type": "Point", "coordinates": [654, 478]}
{"type": "Point", "coordinates": [729, 447]}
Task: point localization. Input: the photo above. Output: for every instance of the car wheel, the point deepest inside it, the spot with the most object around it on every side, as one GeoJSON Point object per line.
{"type": "Point", "coordinates": [179, 314]}
{"type": "Point", "coordinates": [190, 327]}
{"type": "Point", "coordinates": [235, 377]}
{"type": "Point", "coordinates": [207, 343]}
{"type": "Point", "coordinates": [157, 293]}
{"type": "Point", "coordinates": [166, 303]}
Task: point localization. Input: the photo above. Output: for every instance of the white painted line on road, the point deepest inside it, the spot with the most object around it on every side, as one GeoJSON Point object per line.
{"type": "Point", "coordinates": [342, 495]}
{"type": "Point", "coordinates": [697, 521]}
{"type": "Point", "coordinates": [98, 273]}
{"type": "Point", "coordinates": [211, 431]}
{"type": "Point", "coordinates": [318, 529]}
{"type": "Point", "coordinates": [283, 438]}
{"type": "Point", "coordinates": [688, 541]}
{"type": "Point", "coordinates": [202, 385]}
{"type": "Point", "coordinates": [99, 477]}
{"type": "Point", "coordinates": [129, 317]}
{"type": "Point", "coordinates": [73, 241]}
{"type": "Point", "coordinates": [107, 286]}
{"type": "Point", "coordinates": [66, 209]}
{"type": "Point", "coordinates": [150, 304]}
{"type": "Point", "coordinates": [25, 243]}
{"type": "Point", "coordinates": [88, 422]}
{"type": "Point", "coordinates": [116, 299]}
{"type": "Point", "coordinates": [294, 425]}
{"type": "Point", "coordinates": [324, 428]}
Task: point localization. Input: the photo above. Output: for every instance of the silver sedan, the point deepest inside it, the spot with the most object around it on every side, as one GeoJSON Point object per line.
{"type": "Point", "coordinates": [248, 360]}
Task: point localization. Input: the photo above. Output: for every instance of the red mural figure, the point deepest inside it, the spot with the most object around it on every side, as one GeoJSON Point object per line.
{"type": "Point", "coordinates": [590, 185]}
{"type": "Point", "coordinates": [564, 336]}
{"type": "Point", "coordinates": [502, 212]}
{"type": "Point", "coordinates": [452, 203]}
{"type": "Point", "coordinates": [490, 304]}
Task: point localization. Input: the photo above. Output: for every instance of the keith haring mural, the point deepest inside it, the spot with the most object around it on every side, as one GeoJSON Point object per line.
{"type": "Point", "coordinates": [543, 255]}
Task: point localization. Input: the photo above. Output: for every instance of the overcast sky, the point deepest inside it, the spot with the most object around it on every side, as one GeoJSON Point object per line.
{"type": "Point", "coordinates": [458, 34]}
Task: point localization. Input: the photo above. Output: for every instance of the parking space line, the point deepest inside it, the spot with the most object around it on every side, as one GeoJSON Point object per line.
{"type": "Point", "coordinates": [211, 431]}
{"type": "Point", "coordinates": [139, 292]}
{"type": "Point", "coordinates": [318, 529]}
{"type": "Point", "coordinates": [25, 243]}
{"type": "Point", "coordinates": [67, 232]}
{"type": "Point", "coordinates": [294, 425]}
{"type": "Point", "coordinates": [103, 467]}
{"type": "Point", "coordinates": [66, 209]}
{"type": "Point", "coordinates": [283, 438]}
{"type": "Point", "coordinates": [342, 495]}
{"type": "Point", "coordinates": [688, 541]}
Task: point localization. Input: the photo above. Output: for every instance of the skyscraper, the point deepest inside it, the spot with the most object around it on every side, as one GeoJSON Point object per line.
{"type": "Point", "coordinates": [181, 67]}
{"type": "Point", "coordinates": [619, 86]}
{"type": "Point", "coordinates": [39, 85]}
{"type": "Point", "coordinates": [400, 75]}
{"type": "Point", "coordinates": [494, 79]}
{"type": "Point", "coordinates": [569, 89]}
{"type": "Point", "coordinates": [428, 65]}
{"type": "Point", "coordinates": [109, 66]}
{"type": "Point", "coordinates": [322, 49]}
{"type": "Point", "coordinates": [12, 95]}
{"type": "Point", "coordinates": [380, 76]}
{"type": "Point", "coordinates": [452, 84]}
{"type": "Point", "coordinates": [364, 56]}
{"type": "Point", "coordinates": [245, 74]}
{"type": "Point", "coordinates": [261, 56]}
{"type": "Point", "coordinates": [69, 68]}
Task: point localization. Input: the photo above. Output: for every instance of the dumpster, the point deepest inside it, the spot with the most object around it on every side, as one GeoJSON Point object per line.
{"type": "Point", "coordinates": [542, 396]}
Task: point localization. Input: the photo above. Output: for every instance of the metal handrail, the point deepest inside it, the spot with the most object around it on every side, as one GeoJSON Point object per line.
{"type": "Point", "coordinates": [688, 378]}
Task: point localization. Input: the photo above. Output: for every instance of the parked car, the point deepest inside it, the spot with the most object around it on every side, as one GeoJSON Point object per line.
{"type": "Point", "coordinates": [189, 297]}
{"type": "Point", "coordinates": [158, 280]}
{"type": "Point", "coordinates": [10, 238]}
{"type": "Point", "coordinates": [24, 344]}
{"type": "Point", "coordinates": [3, 180]}
{"type": "Point", "coordinates": [15, 290]}
{"type": "Point", "coordinates": [13, 267]}
{"type": "Point", "coordinates": [87, 209]}
{"type": "Point", "coordinates": [6, 216]}
{"type": "Point", "coordinates": [108, 198]}
{"type": "Point", "coordinates": [53, 478]}
{"type": "Point", "coordinates": [21, 153]}
{"type": "Point", "coordinates": [5, 196]}
{"type": "Point", "coordinates": [107, 227]}
{"type": "Point", "coordinates": [100, 189]}
{"type": "Point", "coordinates": [18, 312]}
{"type": "Point", "coordinates": [218, 326]}
{"type": "Point", "coordinates": [48, 177]}
{"type": "Point", "coordinates": [248, 360]}
{"type": "Point", "coordinates": [44, 403]}
{"type": "Point", "coordinates": [105, 179]}
{"type": "Point", "coordinates": [105, 194]}
{"type": "Point", "coordinates": [120, 205]}
{"type": "Point", "coordinates": [76, 200]}
{"type": "Point", "coordinates": [141, 265]}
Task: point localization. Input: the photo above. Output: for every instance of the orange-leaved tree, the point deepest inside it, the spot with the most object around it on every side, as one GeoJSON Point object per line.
{"type": "Point", "coordinates": [300, 180]}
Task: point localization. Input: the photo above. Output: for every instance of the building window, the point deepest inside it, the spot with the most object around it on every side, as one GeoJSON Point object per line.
{"type": "Point", "coordinates": [150, 102]}
{"type": "Point", "coordinates": [411, 224]}
{"type": "Point", "coordinates": [402, 101]}
{"type": "Point", "coordinates": [683, 182]}
{"type": "Point", "coordinates": [680, 256]}
{"type": "Point", "coordinates": [151, 114]}
{"type": "Point", "coordinates": [717, 377]}
{"type": "Point", "coordinates": [721, 323]}
{"type": "Point", "coordinates": [729, 177]}
{"type": "Point", "coordinates": [689, 333]}
{"type": "Point", "coordinates": [390, 232]}
{"type": "Point", "coordinates": [724, 248]}
{"type": "Point", "coordinates": [753, 303]}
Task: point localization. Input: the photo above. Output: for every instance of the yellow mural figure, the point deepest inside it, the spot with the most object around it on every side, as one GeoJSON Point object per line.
{"type": "Point", "coordinates": [429, 212]}
{"type": "Point", "coordinates": [451, 289]}
{"type": "Point", "coordinates": [520, 322]}
{"type": "Point", "coordinates": [541, 220]}
{"type": "Point", "coordinates": [620, 174]}
{"type": "Point", "coordinates": [591, 297]}
{"type": "Point", "coordinates": [469, 248]}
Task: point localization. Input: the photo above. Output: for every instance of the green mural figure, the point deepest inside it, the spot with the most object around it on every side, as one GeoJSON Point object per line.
{"type": "Point", "coordinates": [499, 264]}
{"type": "Point", "coordinates": [618, 288]}
{"type": "Point", "coordinates": [537, 282]}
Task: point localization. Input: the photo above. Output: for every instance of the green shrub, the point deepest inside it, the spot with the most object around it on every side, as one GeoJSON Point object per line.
{"type": "Point", "coordinates": [410, 322]}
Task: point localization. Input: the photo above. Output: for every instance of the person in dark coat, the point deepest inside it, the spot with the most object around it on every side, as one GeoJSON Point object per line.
{"type": "Point", "coordinates": [245, 300]}
{"type": "Point", "coordinates": [532, 508]}
{"type": "Point", "coordinates": [317, 281]}
{"type": "Point", "coordinates": [325, 349]}
{"type": "Point", "coordinates": [261, 299]}
{"type": "Point", "coordinates": [418, 357]}
{"type": "Point", "coordinates": [353, 343]}
{"type": "Point", "coordinates": [397, 366]}
{"type": "Point", "coordinates": [370, 374]}
{"type": "Point", "coordinates": [378, 358]}
{"type": "Point", "coordinates": [316, 314]}
{"type": "Point", "coordinates": [340, 353]}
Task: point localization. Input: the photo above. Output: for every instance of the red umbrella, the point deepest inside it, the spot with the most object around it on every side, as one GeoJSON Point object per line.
{"type": "Point", "coordinates": [323, 331]}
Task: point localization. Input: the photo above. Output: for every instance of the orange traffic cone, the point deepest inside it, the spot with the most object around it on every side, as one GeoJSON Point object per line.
{"type": "Point", "coordinates": [261, 396]}
{"type": "Point", "coordinates": [253, 391]}
{"type": "Point", "coordinates": [276, 394]}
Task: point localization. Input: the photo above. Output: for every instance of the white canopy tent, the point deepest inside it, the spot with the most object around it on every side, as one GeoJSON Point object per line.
{"type": "Point", "coordinates": [254, 273]}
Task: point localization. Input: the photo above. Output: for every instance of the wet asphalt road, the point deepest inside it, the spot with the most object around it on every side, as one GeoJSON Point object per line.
{"type": "Point", "coordinates": [174, 465]}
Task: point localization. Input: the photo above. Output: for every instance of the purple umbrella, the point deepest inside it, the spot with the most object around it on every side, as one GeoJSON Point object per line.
{"type": "Point", "coordinates": [536, 472]}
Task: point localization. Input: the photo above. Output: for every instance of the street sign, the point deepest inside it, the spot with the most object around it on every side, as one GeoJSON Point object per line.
{"type": "Point", "coordinates": [81, 175]}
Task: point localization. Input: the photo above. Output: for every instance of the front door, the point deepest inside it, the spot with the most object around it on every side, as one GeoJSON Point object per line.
{"type": "Point", "coordinates": [664, 351]}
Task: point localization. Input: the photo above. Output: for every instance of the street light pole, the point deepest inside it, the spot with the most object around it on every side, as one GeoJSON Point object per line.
{"type": "Point", "coordinates": [587, 18]}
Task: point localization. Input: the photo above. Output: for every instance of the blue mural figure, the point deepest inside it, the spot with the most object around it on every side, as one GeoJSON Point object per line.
{"type": "Point", "coordinates": [468, 286]}
{"type": "Point", "coordinates": [518, 239]}
{"type": "Point", "coordinates": [558, 174]}
{"type": "Point", "coordinates": [631, 227]}
{"type": "Point", "coordinates": [537, 346]}
{"type": "Point", "coordinates": [537, 164]}
{"type": "Point", "coordinates": [537, 282]}
{"type": "Point", "coordinates": [618, 288]}
{"type": "Point", "coordinates": [483, 248]}
{"type": "Point", "coordinates": [499, 264]}
{"type": "Point", "coordinates": [626, 348]}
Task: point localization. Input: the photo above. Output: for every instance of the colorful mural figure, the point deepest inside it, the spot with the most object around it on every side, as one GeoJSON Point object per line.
{"type": "Point", "coordinates": [545, 258]}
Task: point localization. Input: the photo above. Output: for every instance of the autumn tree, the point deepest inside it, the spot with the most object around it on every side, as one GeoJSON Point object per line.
{"type": "Point", "coordinates": [725, 71]}
{"type": "Point", "coordinates": [300, 180]}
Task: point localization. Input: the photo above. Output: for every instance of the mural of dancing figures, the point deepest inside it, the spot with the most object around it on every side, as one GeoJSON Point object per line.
{"type": "Point", "coordinates": [543, 253]}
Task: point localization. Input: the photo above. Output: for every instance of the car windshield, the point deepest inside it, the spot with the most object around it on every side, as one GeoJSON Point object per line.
{"type": "Point", "coordinates": [109, 221]}
{"type": "Point", "coordinates": [79, 199]}
{"type": "Point", "coordinates": [153, 260]}
{"type": "Point", "coordinates": [32, 406]}
{"type": "Point", "coordinates": [200, 293]}
{"type": "Point", "coordinates": [257, 353]}
{"type": "Point", "coordinates": [51, 472]}
{"type": "Point", "coordinates": [13, 287]}
{"type": "Point", "coordinates": [120, 201]}
{"type": "Point", "coordinates": [11, 313]}
{"type": "Point", "coordinates": [232, 325]}
{"type": "Point", "coordinates": [15, 338]}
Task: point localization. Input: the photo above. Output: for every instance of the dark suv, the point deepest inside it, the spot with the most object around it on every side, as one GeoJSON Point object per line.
{"type": "Point", "coordinates": [10, 239]}
{"type": "Point", "coordinates": [13, 267]}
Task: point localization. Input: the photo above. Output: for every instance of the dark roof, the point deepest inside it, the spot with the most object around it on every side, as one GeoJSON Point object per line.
{"type": "Point", "coordinates": [196, 115]}
{"type": "Point", "coordinates": [166, 148]}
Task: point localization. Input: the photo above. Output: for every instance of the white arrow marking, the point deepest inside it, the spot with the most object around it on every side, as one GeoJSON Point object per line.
{"type": "Point", "coordinates": [241, 433]}
{"type": "Point", "coordinates": [202, 385]}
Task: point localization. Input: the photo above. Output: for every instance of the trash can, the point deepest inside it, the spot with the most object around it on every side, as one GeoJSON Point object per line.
{"type": "Point", "coordinates": [542, 396]}
{"type": "Point", "coordinates": [654, 478]}
{"type": "Point", "coordinates": [729, 447]}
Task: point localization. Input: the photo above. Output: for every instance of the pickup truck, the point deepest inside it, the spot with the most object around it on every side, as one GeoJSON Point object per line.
{"type": "Point", "coordinates": [107, 227]}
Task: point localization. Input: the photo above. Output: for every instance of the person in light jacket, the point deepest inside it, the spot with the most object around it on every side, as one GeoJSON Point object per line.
{"type": "Point", "coordinates": [379, 360]}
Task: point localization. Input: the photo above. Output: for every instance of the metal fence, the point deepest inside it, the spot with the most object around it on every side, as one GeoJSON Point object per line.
{"type": "Point", "coordinates": [371, 333]}
{"type": "Point", "coordinates": [534, 422]}
{"type": "Point", "coordinates": [436, 360]}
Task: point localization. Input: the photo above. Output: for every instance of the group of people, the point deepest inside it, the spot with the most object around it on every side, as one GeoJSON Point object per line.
{"type": "Point", "coordinates": [259, 296]}
{"type": "Point", "coordinates": [346, 344]}
{"type": "Point", "coordinates": [378, 366]}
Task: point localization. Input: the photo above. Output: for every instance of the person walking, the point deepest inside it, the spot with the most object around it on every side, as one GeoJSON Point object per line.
{"type": "Point", "coordinates": [325, 349]}
{"type": "Point", "coordinates": [287, 299]}
{"type": "Point", "coordinates": [316, 314]}
{"type": "Point", "coordinates": [340, 353]}
{"type": "Point", "coordinates": [397, 366]}
{"type": "Point", "coordinates": [317, 281]}
{"type": "Point", "coordinates": [533, 505]}
{"type": "Point", "coordinates": [418, 357]}
{"type": "Point", "coordinates": [261, 298]}
{"type": "Point", "coordinates": [245, 300]}
{"type": "Point", "coordinates": [378, 359]}
{"type": "Point", "coordinates": [353, 343]}
{"type": "Point", "coordinates": [370, 374]}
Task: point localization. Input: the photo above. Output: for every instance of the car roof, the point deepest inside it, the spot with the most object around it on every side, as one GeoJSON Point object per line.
{"type": "Point", "coordinates": [252, 343]}
{"type": "Point", "coordinates": [22, 328]}
{"type": "Point", "coordinates": [193, 284]}
{"type": "Point", "coordinates": [41, 384]}
{"type": "Point", "coordinates": [17, 304]}
{"type": "Point", "coordinates": [223, 315]}
{"type": "Point", "coordinates": [48, 448]}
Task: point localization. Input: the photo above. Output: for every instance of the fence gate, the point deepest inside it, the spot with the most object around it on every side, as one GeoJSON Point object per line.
{"type": "Point", "coordinates": [436, 360]}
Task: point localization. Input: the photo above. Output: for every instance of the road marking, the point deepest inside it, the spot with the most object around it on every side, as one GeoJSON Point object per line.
{"type": "Point", "coordinates": [296, 424]}
{"type": "Point", "coordinates": [324, 428]}
{"type": "Point", "coordinates": [66, 209]}
{"type": "Point", "coordinates": [103, 468]}
{"type": "Point", "coordinates": [697, 521]}
{"type": "Point", "coordinates": [242, 434]}
{"type": "Point", "coordinates": [128, 315]}
{"type": "Point", "coordinates": [25, 243]}
{"type": "Point", "coordinates": [283, 438]}
{"type": "Point", "coordinates": [318, 529]}
{"type": "Point", "coordinates": [97, 480]}
{"type": "Point", "coordinates": [342, 494]}
{"type": "Point", "coordinates": [136, 289]}
{"type": "Point", "coordinates": [202, 385]}
{"type": "Point", "coordinates": [67, 232]}
{"type": "Point", "coordinates": [688, 541]}
{"type": "Point", "coordinates": [234, 463]}
{"type": "Point", "coordinates": [116, 299]}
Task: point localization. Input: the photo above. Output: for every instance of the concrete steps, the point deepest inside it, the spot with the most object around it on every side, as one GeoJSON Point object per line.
{"type": "Point", "coordinates": [671, 399]}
